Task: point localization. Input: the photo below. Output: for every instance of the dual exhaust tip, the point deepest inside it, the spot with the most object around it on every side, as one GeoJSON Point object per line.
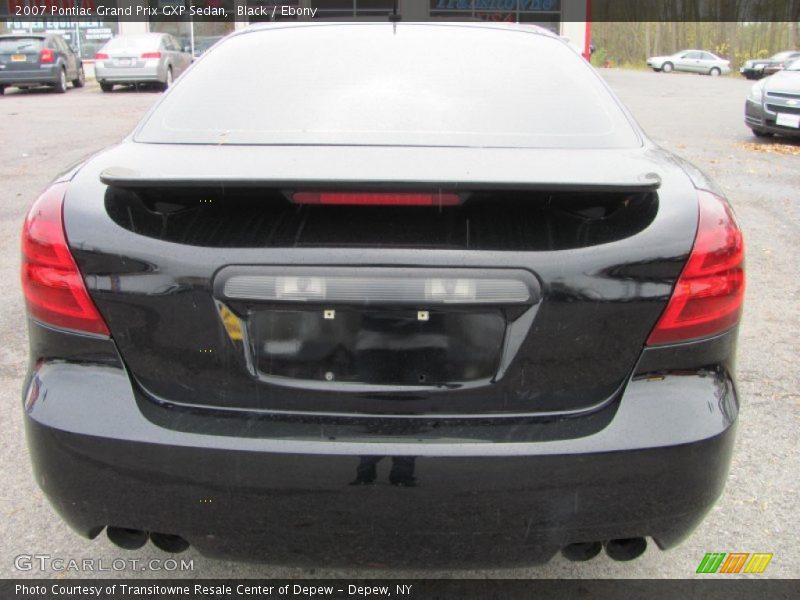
{"type": "Point", "coordinates": [133, 539]}
{"type": "Point", "coordinates": [622, 549]}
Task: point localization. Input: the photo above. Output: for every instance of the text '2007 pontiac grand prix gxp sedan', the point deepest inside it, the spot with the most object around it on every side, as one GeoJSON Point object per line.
{"type": "Point", "coordinates": [384, 301]}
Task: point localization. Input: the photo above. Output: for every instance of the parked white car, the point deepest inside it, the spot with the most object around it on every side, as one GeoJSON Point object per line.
{"type": "Point", "coordinates": [694, 61]}
{"type": "Point", "coordinates": [155, 58]}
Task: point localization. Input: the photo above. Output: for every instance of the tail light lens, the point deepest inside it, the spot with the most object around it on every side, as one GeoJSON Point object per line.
{"type": "Point", "coordinates": [46, 56]}
{"type": "Point", "coordinates": [708, 296]}
{"type": "Point", "coordinates": [376, 198]}
{"type": "Point", "coordinates": [151, 55]}
{"type": "Point", "coordinates": [54, 289]}
{"type": "Point", "coordinates": [101, 56]}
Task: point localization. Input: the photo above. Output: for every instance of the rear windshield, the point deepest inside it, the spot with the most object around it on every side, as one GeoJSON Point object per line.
{"type": "Point", "coordinates": [21, 44]}
{"type": "Point", "coordinates": [372, 84]}
{"type": "Point", "coordinates": [137, 43]}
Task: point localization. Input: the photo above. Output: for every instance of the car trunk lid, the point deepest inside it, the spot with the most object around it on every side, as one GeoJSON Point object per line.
{"type": "Point", "coordinates": [535, 294]}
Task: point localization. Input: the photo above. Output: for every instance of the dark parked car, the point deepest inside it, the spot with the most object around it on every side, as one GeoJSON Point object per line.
{"type": "Point", "coordinates": [32, 60]}
{"type": "Point", "coordinates": [393, 305]}
{"type": "Point", "coordinates": [773, 105]}
{"type": "Point", "coordinates": [758, 68]}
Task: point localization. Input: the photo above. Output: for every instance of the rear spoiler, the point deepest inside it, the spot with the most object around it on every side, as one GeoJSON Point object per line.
{"type": "Point", "coordinates": [129, 178]}
{"type": "Point", "coordinates": [623, 170]}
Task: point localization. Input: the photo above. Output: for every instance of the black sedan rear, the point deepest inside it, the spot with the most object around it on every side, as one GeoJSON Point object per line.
{"type": "Point", "coordinates": [384, 301]}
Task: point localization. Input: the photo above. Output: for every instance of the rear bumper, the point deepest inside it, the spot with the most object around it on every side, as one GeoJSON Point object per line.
{"type": "Point", "coordinates": [129, 74]}
{"type": "Point", "coordinates": [283, 491]}
{"type": "Point", "coordinates": [47, 74]}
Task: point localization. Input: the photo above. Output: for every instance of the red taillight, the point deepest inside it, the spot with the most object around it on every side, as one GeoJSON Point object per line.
{"type": "Point", "coordinates": [151, 55]}
{"type": "Point", "coordinates": [376, 198]}
{"type": "Point", "coordinates": [101, 56]}
{"type": "Point", "coordinates": [54, 289]}
{"type": "Point", "coordinates": [708, 296]}
{"type": "Point", "coordinates": [46, 56]}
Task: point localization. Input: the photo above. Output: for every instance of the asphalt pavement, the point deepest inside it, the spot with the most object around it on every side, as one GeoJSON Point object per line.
{"type": "Point", "coordinates": [698, 118]}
